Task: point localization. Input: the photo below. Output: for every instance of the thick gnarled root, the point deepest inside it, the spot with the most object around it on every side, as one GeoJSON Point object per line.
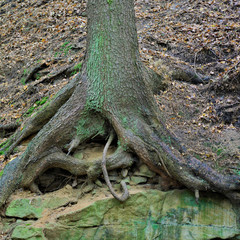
{"type": "Point", "coordinates": [159, 155]}
{"type": "Point", "coordinates": [37, 122]}
{"type": "Point", "coordinates": [76, 167]}
{"type": "Point", "coordinates": [57, 159]}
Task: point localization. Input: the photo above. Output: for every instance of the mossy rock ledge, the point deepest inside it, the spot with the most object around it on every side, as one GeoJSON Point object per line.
{"type": "Point", "coordinates": [147, 214]}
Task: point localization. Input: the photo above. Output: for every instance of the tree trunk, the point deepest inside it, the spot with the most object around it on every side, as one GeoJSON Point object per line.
{"type": "Point", "coordinates": [112, 94]}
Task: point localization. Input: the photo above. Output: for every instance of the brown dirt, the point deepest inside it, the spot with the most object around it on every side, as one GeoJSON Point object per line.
{"type": "Point", "coordinates": [191, 115]}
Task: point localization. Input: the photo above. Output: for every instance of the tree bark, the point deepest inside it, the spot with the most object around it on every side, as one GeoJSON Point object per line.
{"type": "Point", "coordinates": [112, 94]}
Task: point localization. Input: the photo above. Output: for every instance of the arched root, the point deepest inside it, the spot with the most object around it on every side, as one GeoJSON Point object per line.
{"type": "Point", "coordinates": [77, 167]}
{"type": "Point", "coordinates": [150, 148]}
{"type": "Point", "coordinates": [148, 144]}
{"type": "Point", "coordinates": [16, 175]}
{"type": "Point", "coordinates": [125, 194]}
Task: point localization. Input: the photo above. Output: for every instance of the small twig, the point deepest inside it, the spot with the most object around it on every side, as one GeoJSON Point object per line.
{"type": "Point", "coordinates": [125, 194]}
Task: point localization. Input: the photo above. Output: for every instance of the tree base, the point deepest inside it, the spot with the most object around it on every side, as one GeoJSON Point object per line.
{"type": "Point", "coordinates": [142, 134]}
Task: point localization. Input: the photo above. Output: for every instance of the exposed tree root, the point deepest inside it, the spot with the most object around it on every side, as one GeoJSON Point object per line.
{"type": "Point", "coordinates": [196, 175]}
{"type": "Point", "coordinates": [142, 133]}
{"type": "Point", "coordinates": [41, 118]}
{"type": "Point", "coordinates": [180, 72]}
{"type": "Point", "coordinates": [34, 70]}
{"type": "Point", "coordinates": [229, 83]}
{"type": "Point", "coordinates": [125, 194]}
{"type": "Point", "coordinates": [6, 130]}
{"type": "Point", "coordinates": [76, 167]}
{"type": "Point", "coordinates": [58, 159]}
{"type": "Point", "coordinates": [65, 70]}
{"type": "Point", "coordinates": [189, 75]}
{"type": "Point", "coordinates": [217, 181]}
{"type": "Point", "coordinates": [154, 152]}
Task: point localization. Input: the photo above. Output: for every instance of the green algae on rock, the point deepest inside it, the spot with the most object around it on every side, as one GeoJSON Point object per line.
{"type": "Point", "coordinates": [26, 231]}
{"type": "Point", "coordinates": [33, 207]}
{"type": "Point", "coordinates": [150, 214]}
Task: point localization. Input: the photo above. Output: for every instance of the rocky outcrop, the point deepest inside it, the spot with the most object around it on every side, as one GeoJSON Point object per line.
{"type": "Point", "coordinates": [147, 214]}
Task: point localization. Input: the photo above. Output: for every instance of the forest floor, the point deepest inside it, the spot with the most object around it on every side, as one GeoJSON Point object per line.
{"type": "Point", "coordinates": [42, 45]}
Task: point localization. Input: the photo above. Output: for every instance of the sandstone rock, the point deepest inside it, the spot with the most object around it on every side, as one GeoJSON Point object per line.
{"type": "Point", "coordinates": [150, 214]}
{"type": "Point", "coordinates": [98, 183]}
{"type": "Point", "coordinates": [33, 207]}
{"type": "Point", "coordinates": [137, 180]}
{"type": "Point", "coordinates": [144, 171]}
{"type": "Point", "coordinates": [26, 231]}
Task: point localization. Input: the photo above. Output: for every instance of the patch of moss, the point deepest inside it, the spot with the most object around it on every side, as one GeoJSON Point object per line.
{"type": "Point", "coordinates": [1, 173]}
{"type": "Point", "coordinates": [4, 144]}
{"type": "Point", "coordinates": [36, 105]}
{"type": "Point", "coordinates": [25, 208]}
{"type": "Point", "coordinates": [77, 68]}
{"type": "Point", "coordinates": [25, 73]}
{"type": "Point", "coordinates": [123, 145]}
{"type": "Point", "coordinates": [64, 49]}
{"type": "Point", "coordinates": [26, 231]}
{"type": "Point", "coordinates": [87, 126]}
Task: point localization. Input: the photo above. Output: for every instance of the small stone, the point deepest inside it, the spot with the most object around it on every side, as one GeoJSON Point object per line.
{"type": "Point", "coordinates": [124, 172]}
{"type": "Point", "coordinates": [68, 187]}
{"type": "Point", "coordinates": [88, 188]}
{"type": "Point", "coordinates": [98, 183]}
{"type": "Point", "coordinates": [113, 178]}
{"type": "Point", "coordinates": [144, 171]}
{"type": "Point", "coordinates": [137, 180]}
{"type": "Point", "coordinates": [126, 180]}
